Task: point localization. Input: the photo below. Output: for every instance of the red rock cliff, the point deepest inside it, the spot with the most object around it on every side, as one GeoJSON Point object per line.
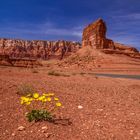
{"type": "Point", "coordinates": [37, 49]}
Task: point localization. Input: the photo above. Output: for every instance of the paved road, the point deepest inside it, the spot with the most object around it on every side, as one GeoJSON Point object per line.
{"type": "Point", "coordinates": [118, 75]}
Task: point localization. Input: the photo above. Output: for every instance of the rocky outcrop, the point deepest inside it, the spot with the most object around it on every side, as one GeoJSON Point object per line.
{"type": "Point", "coordinates": [25, 62]}
{"type": "Point", "coordinates": [19, 62]}
{"type": "Point", "coordinates": [94, 36]}
{"type": "Point", "coordinates": [5, 60]}
{"type": "Point", "coordinates": [37, 49]}
{"type": "Point", "coordinates": [125, 48]}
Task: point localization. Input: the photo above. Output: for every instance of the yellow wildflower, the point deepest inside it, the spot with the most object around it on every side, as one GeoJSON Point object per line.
{"type": "Point", "coordinates": [58, 104]}
{"type": "Point", "coordinates": [41, 98]}
{"type": "Point", "coordinates": [44, 100]}
{"type": "Point", "coordinates": [21, 102]}
{"type": "Point", "coordinates": [49, 99]}
{"type": "Point", "coordinates": [35, 95]}
{"type": "Point", "coordinates": [28, 103]}
{"type": "Point", "coordinates": [31, 99]}
{"type": "Point", "coordinates": [50, 94]}
{"type": "Point", "coordinates": [56, 99]}
{"type": "Point", "coordinates": [24, 99]}
{"type": "Point", "coordinates": [45, 94]}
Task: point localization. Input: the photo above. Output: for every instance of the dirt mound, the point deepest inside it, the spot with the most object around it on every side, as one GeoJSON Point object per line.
{"type": "Point", "coordinates": [88, 58]}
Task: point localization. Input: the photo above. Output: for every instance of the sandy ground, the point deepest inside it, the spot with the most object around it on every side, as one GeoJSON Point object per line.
{"type": "Point", "coordinates": [111, 107]}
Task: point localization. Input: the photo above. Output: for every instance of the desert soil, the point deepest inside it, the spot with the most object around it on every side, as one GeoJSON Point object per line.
{"type": "Point", "coordinates": [110, 107]}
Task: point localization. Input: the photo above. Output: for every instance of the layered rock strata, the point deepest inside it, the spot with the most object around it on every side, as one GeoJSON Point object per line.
{"type": "Point", "coordinates": [37, 49]}
{"type": "Point", "coordinates": [19, 62]}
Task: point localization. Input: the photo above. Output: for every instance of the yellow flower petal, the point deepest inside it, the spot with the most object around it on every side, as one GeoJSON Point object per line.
{"type": "Point", "coordinates": [35, 95]}
{"type": "Point", "coordinates": [56, 99]}
{"type": "Point", "coordinates": [22, 102]}
{"type": "Point", "coordinates": [28, 103]}
{"type": "Point", "coordinates": [44, 100]}
{"type": "Point", "coordinates": [58, 104]}
{"type": "Point", "coordinates": [49, 99]}
{"type": "Point", "coordinates": [50, 94]}
{"type": "Point", "coordinates": [25, 99]}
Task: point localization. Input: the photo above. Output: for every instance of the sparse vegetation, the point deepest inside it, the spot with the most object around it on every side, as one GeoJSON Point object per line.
{"type": "Point", "coordinates": [39, 115]}
{"type": "Point", "coordinates": [25, 89]}
{"type": "Point", "coordinates": [53, 73]}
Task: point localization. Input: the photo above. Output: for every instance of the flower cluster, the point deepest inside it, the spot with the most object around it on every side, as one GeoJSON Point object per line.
{"type": "Point", "coordinates": [40, 106]}
{"type": "Point", "coordinates": [45, 97]}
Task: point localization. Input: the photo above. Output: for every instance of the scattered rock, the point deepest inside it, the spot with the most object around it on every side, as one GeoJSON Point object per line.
{"type": "Point", "coordinates": [48, 135]}
{"type": "Point", "coordinates": [100, 110]}
{"type": "Point", "coordinates": [80, 107]}
{"type": "Point", "coordinates": [44, 129]}
{"type": "Point", "coordinates": [13, 134]}
{"type": "Point", "coordinates": [21, 128]}
{"type": "Point", "coordinates": [131, 132]}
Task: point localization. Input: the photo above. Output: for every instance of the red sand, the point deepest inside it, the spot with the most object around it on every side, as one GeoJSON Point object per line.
{"type": "Point", "coordinates": [111, 107]}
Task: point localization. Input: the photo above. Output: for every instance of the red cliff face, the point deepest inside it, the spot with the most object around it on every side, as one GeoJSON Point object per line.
{"type": "Point", "coordinates": [94, 36]}
{"type": "Point", "coordinates": [37, 49]}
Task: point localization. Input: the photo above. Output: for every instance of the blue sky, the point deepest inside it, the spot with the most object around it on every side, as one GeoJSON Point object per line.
{"type": "Point", "coordinates": [65, 19]}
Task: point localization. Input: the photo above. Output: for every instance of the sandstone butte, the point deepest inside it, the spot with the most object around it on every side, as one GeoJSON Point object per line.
{"type": "Point", "coordinates": [94, 36]}
{"type": "Point", "coordinates": [17, 52]}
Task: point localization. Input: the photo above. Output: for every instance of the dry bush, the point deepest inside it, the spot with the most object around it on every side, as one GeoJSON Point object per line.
{"type": "Point", "coordinates": [53, 73]}
{"type": "Point", "coordinates": [25, 89]}
{"type": "Point", "coordinates": [35, 71]}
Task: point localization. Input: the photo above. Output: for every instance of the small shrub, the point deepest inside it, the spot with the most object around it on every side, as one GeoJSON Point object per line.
{"type": "Point", "coordinates": [39, 115]}
{"type": "Point", "coordinates": [82, 73]}
{"type": "Point", "coordinates": [25, 89]}
{"type": "Point", "coordinates": [53, 73]}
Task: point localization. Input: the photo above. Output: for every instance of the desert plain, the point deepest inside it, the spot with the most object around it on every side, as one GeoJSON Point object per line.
{"type": "Point", "coordinates": [94, 106]}
{"type": "Point", "coordinates": [110, 106]}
